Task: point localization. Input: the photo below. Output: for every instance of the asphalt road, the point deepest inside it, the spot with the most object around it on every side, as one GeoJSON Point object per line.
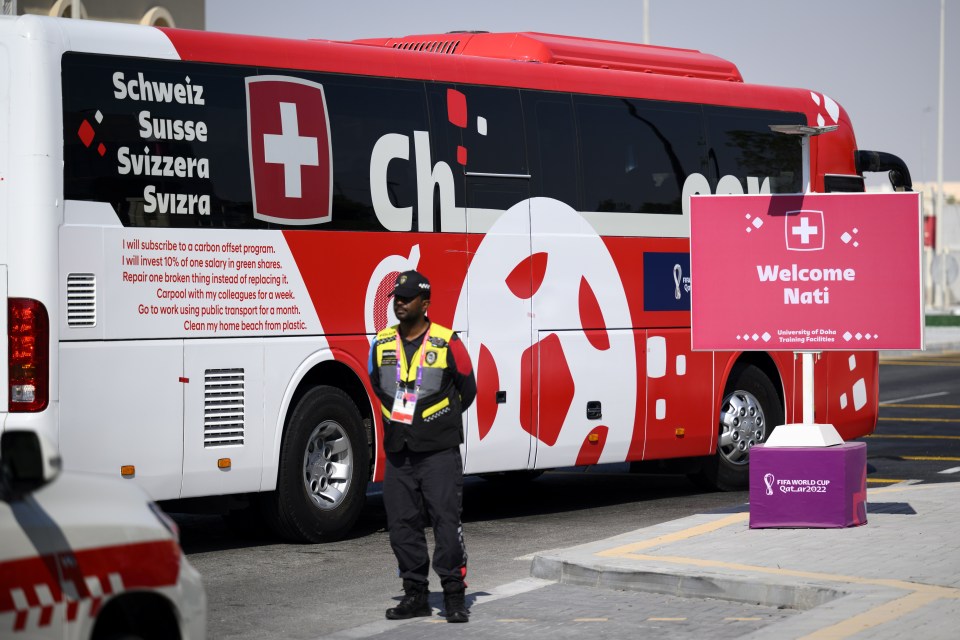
{"type": "Point", "coordinates": [260, 588]}
{"type": "Point", "coordinates": [918, 434]}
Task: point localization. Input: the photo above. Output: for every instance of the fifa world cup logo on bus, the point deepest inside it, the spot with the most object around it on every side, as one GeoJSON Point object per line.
{"type": "Point", "coordinates": [291, 168]}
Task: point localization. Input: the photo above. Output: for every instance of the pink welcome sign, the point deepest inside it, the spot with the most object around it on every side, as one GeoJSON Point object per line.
{"type": "Point", "coordinates": [813, 272]}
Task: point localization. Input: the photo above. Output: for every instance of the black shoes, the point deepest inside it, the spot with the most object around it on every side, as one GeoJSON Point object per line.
{"type": "Point", "coordinates": [454, 605]}
{"type": "Point", "coordinates": [414, 605]}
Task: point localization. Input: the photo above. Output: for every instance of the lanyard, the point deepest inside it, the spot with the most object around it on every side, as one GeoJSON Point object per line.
{"type": "Point", "coordinates": [423, 350]}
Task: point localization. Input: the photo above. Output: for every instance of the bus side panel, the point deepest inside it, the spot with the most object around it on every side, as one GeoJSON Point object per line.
{"type": "Point", "coordinates": [31, 186]}
{"type": "Point", "coordinates": [4, 215]}
{"type": "Point", "coordinates": [223, 415]}
{"type": "Point", "coordinates": [851, 387]}
{"type": "Point", "coordinates": [496, 304]}
{"type": "Point", "coordinates": [580, 311]}
{"type": "Point", "coordinates": [124, 406]}
{"type": "Point", "coordinates": [679, 396]}
{"type": "Point", "coordinates": [122, 401]}
{"type": "Point", "coordinates": [586, 408]}
{"type": "Point", "coordinates": [4, 345]}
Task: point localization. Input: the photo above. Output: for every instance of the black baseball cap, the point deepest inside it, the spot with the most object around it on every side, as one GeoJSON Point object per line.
{"type": "Point", "coordinates": [411, 284]}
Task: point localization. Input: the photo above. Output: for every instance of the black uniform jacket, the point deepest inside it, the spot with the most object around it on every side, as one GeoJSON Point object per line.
{"type": "Point", "coordinates": [448, 387]}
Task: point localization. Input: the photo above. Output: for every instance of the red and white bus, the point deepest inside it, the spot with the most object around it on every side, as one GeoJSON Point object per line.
{"type": "Point", "coordinates": [200, 231]}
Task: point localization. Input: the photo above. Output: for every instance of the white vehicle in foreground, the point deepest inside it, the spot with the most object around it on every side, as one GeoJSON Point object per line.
{"type": "Point", "coordinates": [83, 556]}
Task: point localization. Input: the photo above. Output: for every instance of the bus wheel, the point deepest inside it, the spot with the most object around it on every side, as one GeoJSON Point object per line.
{"type": "Point", "coordinates": [749, 412]}
{"type": "Point", "coordinates": [324, 468]}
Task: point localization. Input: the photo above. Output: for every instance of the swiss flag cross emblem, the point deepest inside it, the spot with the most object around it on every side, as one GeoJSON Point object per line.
{"type": "Point", "coordinates": [804, 230]}
{"type": "Point", "coordinates": [291, 168]}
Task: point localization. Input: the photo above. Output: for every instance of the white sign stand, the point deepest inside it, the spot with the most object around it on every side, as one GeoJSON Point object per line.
{"type": "Point", "coordinates": [807, 433]}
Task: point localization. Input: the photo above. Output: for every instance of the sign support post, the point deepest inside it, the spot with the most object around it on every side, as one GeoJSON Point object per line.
{"type": "Point", "coordinates": [807, 364]}
{"type": "Point", "coordinates": [807, 434]}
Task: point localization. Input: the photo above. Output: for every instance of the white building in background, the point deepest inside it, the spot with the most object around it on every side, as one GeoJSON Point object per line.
{"type": "Point", "coordinates": [951, 197]}
{"type": "Point", "coordinates": [950, 247]}
{"type": "Point", "coordinates": [185, 14]}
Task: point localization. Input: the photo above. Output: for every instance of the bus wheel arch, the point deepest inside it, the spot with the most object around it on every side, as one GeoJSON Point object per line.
{"type": "Point", "coordinates": [325, 457]}
{"type": "Point", "coordinates": [335, 373]}
{"type": "Point", "coordinates": [751, 406]}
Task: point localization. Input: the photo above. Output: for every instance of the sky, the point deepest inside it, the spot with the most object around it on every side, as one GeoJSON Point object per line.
{"type": "Point", "coordinates": [878, 58]}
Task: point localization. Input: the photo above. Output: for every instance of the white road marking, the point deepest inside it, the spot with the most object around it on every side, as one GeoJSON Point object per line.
{"type": "Point", "coordinates": [927, 395]}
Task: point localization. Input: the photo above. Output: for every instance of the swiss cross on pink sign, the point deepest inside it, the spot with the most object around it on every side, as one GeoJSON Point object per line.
{"type": "Point", "coordinates": [812, 272]}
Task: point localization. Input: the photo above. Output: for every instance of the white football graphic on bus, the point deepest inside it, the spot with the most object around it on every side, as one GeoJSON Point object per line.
{"type": "Point", "coordinates": [539, 324]}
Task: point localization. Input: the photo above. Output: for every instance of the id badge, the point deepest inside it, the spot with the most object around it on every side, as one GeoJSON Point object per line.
{"type": "Point", "coordinates": [403, 405]}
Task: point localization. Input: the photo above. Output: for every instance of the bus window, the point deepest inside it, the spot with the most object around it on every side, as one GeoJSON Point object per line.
{"type": "Point", "coordinates": [742, 144]}
{"type": "Point", "coordinates": [636, 154]}
{"type": "Point", "coordinates": [493, 135]}
{"type": "Point", "coordinates": [484, 128]}
{"type": "Point", "coordinates": [552, 145]}
{"type": "Point", "coordinates": [361, 111]}
{"type": "Point", "coordinates": [138, 140]}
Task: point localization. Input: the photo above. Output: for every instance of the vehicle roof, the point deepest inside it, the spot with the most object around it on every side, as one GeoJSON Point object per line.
{"type": "Point", "coordinates": [379, 58]}
{"type": "Point", "coordinates": [546, 48]}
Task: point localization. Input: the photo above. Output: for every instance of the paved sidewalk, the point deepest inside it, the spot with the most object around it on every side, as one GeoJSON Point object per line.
{"type": "Point", "coordinates": [897, 576]}
{"type": "Point", "coordinates": [710, 575]}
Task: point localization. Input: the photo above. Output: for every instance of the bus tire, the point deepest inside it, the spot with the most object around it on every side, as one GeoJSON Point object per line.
{"type": "Point", "coordinates": [324, 469]}
{"type": "Point", "coordinates": [748, 414]}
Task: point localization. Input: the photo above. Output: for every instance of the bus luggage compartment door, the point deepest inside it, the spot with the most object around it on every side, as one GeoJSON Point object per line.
{"type": "Point", "coordinates": [575, 380]}
{"type": "Point", "coordinates": [121, 403]}
{"type": "Point", "coordinates": [223, 416]}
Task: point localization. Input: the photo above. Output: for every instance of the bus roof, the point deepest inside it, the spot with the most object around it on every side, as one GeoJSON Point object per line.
{"type": "Point", "coordinates": [525, 60]}
{"type": "Point", "coordinates": [548, 48]}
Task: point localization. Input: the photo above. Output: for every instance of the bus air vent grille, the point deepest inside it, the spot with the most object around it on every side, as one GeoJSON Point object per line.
{"type": "Point", "coordinates": [223, 407]}
{"type": "Point", "coordinates": [81, 300]}
{"type": "Point", "coordinates": [428, 46]}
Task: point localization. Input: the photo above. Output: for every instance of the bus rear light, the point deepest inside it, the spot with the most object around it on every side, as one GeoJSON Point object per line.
{"type": "Point", "coordinates": [28, 366]}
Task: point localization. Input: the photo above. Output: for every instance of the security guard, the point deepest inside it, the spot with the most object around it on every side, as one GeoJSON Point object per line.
{"type": "Point", "coordinates": [422, 374]}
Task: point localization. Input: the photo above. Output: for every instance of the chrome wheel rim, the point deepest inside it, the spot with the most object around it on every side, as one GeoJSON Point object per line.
{"type": "Point", "coordinates": [327, 465]}
{"type": "Point", "coordinates": [742, 425]}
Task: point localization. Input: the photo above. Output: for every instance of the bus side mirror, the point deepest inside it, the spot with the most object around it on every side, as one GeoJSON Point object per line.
{"type": "Point", "coordinates": [28, 461]}
{"type": "Point", "coordinates": [896, 169]}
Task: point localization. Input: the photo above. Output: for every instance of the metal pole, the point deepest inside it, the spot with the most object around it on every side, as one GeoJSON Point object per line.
{"type": "Point", "coordinates": [807, 363]}
{"type": "Point", "coordinates": [806, 357]}
{"type": "Point", "coordinates": [646, 21]}
{"type": "Point", "coordinates": [941, 241]}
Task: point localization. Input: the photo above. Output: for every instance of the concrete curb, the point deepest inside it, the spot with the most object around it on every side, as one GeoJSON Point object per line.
{"type": "Point", "coordinates": [822, 606]}
{"type": "Point", "coordinates": [688, 585]}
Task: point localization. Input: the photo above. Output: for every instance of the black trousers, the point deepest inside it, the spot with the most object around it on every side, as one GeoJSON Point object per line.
{"type": "Point", "coordinates": [421, 486]}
